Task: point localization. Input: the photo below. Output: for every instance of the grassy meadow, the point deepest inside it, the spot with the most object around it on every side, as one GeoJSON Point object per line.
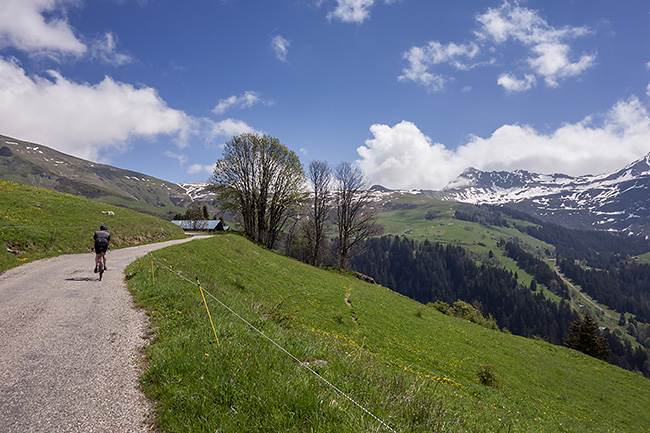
{"type": "Point", "coordinates": [405, 216]}
{"type": "Point", "coordinates": [409, 365]}
{"type": "Point", "coordinates": [37, 223]}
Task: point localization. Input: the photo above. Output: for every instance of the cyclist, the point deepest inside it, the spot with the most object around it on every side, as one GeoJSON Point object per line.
{"type": "Point", "coordinates": [102, 240]}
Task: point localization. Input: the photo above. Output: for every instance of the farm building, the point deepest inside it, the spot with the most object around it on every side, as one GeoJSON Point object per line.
{"type": "Point", "coordinates": [203, 225]}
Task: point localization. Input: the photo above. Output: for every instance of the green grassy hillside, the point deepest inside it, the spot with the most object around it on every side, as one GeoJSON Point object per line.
{"type": "Point", "coordinates": [420, 217]}
{"type": "Point", "coordinates": [40, 166]}
{"type": "Point", "coordinates": [423, 218]}
{"type": "Point", "coordinates": [37, 223]}
{"type": "Point", "coordinates": [411, 366]}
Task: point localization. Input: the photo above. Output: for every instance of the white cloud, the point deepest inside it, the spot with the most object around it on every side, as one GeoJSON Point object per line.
{"type": "Point", "coordinates": [230, 127]}
{"type": "Point", "coordinates": [83, 119]}
{"type": "Point", "coordinates": [403, 157]}
{"type": "Point", "coordinates": [552, 62]}
{"type": "Point", "coordinates": [422, 58]}
{"type": "Point", "coordinates": [247, 100]}
{"type": "Point", "coordinates": [200, 168]}
{"type": "Point", "coordinates": [24, 26]}
{"type": "Point", "coordinates": [280, 47]}
{"type": "Point", "coordinates": [352, 11]}
{"type": "Point", "coordinates": [549, 53]}
{"type": "Point", "coordinates": [513, 84]}
{"type": "Point", "coordinates": [182, 159]}
{"type": "Point", "coordinates": [105, 49]}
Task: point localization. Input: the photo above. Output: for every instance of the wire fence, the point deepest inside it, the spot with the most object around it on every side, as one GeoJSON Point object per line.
{"type": "Point", "coordinates": [271, 340]}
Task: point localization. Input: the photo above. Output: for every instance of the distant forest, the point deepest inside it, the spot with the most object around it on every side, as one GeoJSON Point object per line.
{"type": "Point", "coordinates": [429, 272]}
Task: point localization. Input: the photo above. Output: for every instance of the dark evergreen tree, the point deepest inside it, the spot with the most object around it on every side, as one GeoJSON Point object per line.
{"type": "Point", "coordinates": [583, 336]}
{"type": "Point", "coordinates": [429, 272]}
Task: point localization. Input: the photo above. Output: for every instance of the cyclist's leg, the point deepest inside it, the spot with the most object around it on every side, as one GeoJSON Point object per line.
{"type": "Point", "coordinates": [104, 257]}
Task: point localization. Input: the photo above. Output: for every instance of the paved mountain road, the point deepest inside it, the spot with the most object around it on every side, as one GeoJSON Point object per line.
{"type": "Point", "coordinates": [70, 346]}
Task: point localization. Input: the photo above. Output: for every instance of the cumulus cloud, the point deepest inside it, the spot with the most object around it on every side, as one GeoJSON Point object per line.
{"type": "Point", "coordinates": [230, 127]}
{"type": "Point", "coordinates": [353, 11]}
{"type": "Point", "coordinates": [200, 168]}
{"type": "Point", "coordinates": [421, 59]}
{"type": "Point", "coordinates": [24, 26]}
{"type": "Point", "coordinates": [246, 100]}
{"type": "Point", "coordinates": [548, 47]}
{"type": "Point", "coordinates": [403, 157]}
{"type": "Point", "coordinates": [105, 50]}
{"type": "Point", "coordinates": [280, 47]}
{"type": "Point", "coordinates": [550, 55]}
{"type": "Point", "coordinates": [83, 119]}
{"type": "Point", "coordinates": [513, 84]}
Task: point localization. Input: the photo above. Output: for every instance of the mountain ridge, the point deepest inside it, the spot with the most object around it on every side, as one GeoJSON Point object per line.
{"type": "Point", "coordinates": [41, 166]}
{"type": "Point", "coordinates": [616, 201]}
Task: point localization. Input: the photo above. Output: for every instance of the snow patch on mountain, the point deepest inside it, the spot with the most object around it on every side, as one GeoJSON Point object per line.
{"type": "Point", "coordinates": [197, 190]}
{"type": "Point", "coordinates": [622, 195]}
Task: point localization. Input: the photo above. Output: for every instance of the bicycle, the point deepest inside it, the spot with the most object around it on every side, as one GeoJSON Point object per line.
{"type": "Point", "coordinates": [100, 265]}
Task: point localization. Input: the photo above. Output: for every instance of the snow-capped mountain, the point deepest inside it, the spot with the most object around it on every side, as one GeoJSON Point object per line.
{"type": "Point", "coordinates": [197, 190]}
{"type": "Point", "coordinates": [616, 201]}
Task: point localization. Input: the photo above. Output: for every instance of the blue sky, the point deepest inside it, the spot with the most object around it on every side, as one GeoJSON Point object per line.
{"type": "Point", "coordinates": [414, 91]}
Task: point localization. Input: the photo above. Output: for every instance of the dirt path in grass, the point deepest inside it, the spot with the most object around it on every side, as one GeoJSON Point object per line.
{"type": "Point", "coordinates": [72, 346]}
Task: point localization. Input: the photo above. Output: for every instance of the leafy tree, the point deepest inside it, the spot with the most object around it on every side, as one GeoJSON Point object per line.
{"type": "Point", "coordinates": [583, 336]}
{"type": "Point", "coordinates": [260, 180]}
{"type": "Point", "coordinates": [193, 212]}
{"type": "Point", "coordinates": [320, 177]}
{"type": "Point", "coordinates": [356, 221]}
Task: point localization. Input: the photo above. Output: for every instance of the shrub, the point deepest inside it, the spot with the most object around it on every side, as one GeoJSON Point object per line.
{"type": "Point", "coordinates": [487, 376]}
{"type": "Point", "coordinates": [443, 307]}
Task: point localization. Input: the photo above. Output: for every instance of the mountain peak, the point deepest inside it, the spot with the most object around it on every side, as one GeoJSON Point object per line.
{"type": "Point", "coordinates": [618, 201]}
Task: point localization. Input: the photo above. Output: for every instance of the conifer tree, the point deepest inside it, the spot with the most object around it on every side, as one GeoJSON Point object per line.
{"type": "Point", "coordinates": [583, 336]}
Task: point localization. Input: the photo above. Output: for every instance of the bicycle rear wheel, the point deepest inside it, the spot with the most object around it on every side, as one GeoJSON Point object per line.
{"type": "Point", "coordinates": [101, 268]}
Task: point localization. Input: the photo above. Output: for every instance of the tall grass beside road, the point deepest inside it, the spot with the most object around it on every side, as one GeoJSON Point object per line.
{"type": "Point", "coordinates": [410, 366]}
{"type": "Point", "coordinates": [37, 223]}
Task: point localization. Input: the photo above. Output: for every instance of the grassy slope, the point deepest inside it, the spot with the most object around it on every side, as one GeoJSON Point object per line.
{"type": "Point", "coordinates": [444, 228]}
{"type": "Point", "coordinates": [407, 363]}
{"type": "Point", "coordinates": [40, 223]}
{"type": "Point", "coordinates": [409, 220]}
{"type": "Point", "coordinates": [448, 230]}
{"type": "Point", "coordinates": [37, 165]}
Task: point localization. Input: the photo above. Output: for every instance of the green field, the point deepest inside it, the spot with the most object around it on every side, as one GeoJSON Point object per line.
{"type": "Point", "coordinates": [406, 216]}
{"type": "Point", "coordinates": [411, 366]}
{"type": "Point", "coordinates": [37, 223]}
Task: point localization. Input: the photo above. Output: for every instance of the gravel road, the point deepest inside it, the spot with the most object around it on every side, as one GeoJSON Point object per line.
{"type": "Point", "coordinates": [71, 346]}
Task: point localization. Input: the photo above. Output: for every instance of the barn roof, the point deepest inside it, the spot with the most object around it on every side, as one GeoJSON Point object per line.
{"type": "Point", "coordinates": [199, 224]}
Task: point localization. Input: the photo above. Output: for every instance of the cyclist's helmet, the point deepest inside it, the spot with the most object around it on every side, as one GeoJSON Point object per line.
{"type": "Point", "coordinates": [103, 227]}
